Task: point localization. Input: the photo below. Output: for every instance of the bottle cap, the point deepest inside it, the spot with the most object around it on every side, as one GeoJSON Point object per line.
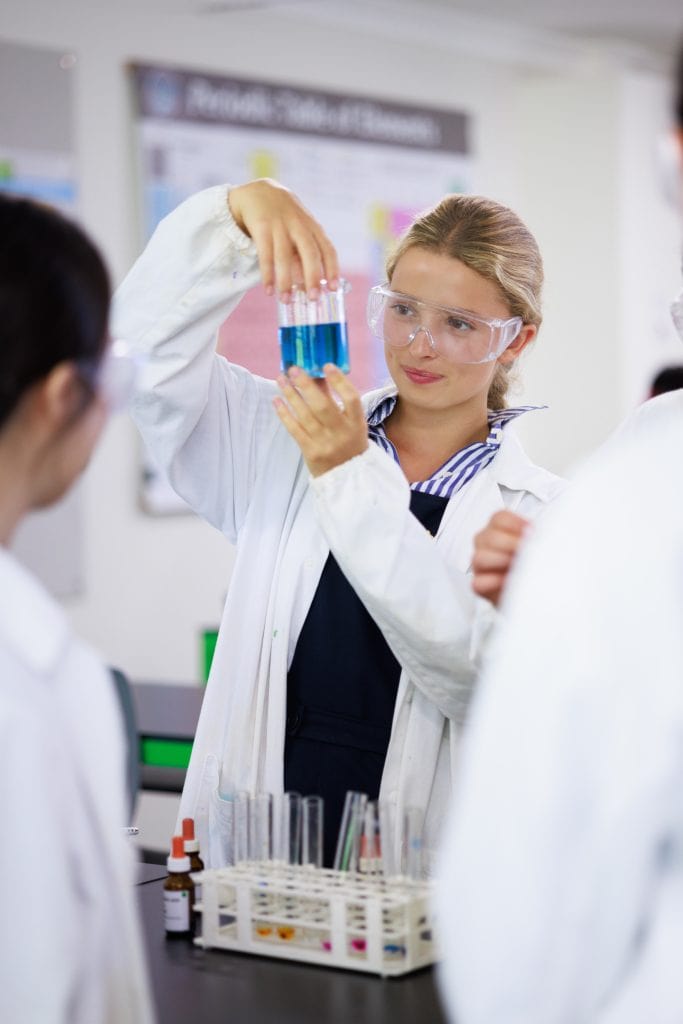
{"type": "Point", "coordinates": [191, 843]}
{"type": "Point", "coordinates": [178, 862]}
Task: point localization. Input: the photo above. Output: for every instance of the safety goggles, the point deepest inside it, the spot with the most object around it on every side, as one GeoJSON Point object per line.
{"type": "Point", "coordinates": [398, 319]}
{"type": "Point", "coordinates": [677, 314]}
{"type": "Point", "coordinates": [113, 377]}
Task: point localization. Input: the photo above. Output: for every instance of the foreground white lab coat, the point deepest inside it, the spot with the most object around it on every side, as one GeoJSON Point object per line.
{"type": "Point", "coordinates": [561, 897]}
{"type": "Point", "coordinates": [211, 426]}
{"type": "Point", "coordinates": [70, 946]}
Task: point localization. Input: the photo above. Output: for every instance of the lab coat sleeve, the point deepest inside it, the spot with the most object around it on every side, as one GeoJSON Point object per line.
{"type": "Point", "coordinates": [425, 608]}
{"type": "Point", "coordinates": [570, 770]}
{"type": "Point", "coordinates": [205, 422]}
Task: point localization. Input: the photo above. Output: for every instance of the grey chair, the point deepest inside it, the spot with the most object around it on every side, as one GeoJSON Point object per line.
{"type": "Point", "coordinates": [122, 687]}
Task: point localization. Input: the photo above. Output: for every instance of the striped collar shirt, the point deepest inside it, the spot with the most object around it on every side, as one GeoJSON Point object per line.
{"type": "Point", "coordinates": [463, 465]}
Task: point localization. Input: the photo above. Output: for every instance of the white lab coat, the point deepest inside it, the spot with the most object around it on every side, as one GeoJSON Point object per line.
{"type": "Point", "coordinates": [211, 426]}
{"type": "Point", "coordinates": [70, 946]}
{"type": "Point", "coordinates": [561, 897]}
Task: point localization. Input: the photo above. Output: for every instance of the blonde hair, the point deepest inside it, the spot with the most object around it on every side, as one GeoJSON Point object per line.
{"type": "Point", "coordinates": [493, 241]}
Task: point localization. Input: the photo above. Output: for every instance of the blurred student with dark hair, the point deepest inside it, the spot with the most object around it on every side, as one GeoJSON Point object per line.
{"type": "Point", "coordinates": [70, 950]}
{"type": "Point", "coordinates": [561, 897]}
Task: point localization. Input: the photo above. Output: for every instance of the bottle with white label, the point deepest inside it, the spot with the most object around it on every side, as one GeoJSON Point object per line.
{"type": "Point", "coordinates": [178, 893]}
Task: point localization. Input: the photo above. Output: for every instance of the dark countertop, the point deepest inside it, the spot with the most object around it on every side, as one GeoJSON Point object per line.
{"type": "Point", "coordinates": [212, 986]}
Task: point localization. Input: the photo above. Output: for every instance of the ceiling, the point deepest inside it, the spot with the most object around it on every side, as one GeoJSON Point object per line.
{"type": "Point", "coordinates": [655, 25]}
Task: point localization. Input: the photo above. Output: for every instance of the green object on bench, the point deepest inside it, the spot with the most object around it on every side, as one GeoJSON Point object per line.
{"type": "Point", "coordinates": [165, 753]}
{"type": "Point", "coordinates": [209, 638]}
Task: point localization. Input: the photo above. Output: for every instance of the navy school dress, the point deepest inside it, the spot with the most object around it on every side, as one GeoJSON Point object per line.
{"type": "Point", "coordinates": [341, 692]}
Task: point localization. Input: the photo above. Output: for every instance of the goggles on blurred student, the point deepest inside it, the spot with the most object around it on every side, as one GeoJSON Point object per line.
{"type": "Point", "coordinates": [456, 334]}
{"type": "Point", "coordinates": [677, 314]}
{"type": "Point", "coordinates": [113, 377]}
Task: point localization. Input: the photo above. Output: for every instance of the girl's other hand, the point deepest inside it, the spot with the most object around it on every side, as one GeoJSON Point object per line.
{"type": "Point", "coordinates": [327, 433]}
{"type": "Point", "coordinates": [495, 549]}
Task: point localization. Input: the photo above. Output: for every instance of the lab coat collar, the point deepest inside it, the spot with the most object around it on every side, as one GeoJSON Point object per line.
{"type": "Point", "coordinates": [511, 468]}
{"type": "Point", "coordinates": [373, 399]}
{"type": "Point", "coordinates": [31, 623]}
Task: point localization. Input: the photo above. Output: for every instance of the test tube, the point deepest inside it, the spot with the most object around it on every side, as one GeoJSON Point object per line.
{"type": "Point", "coordinates": [348, 843]}
{"type": "Point", "coordinates": [388, 839]}
{"type": "Point", "coordinates": [413, 821]}
{"type": "Point", "coordinates": [241, 826]}
{"type": "Point", "coordinates": [289, 833]}
{"type": "Point", "coordinates": [261, 826]}
{"type": "Point", "coordinates": [369, 862]}
{"type": "Point", "coordinates": [312, 831]}
{"type": "Point", "coordinates": [221, 851]}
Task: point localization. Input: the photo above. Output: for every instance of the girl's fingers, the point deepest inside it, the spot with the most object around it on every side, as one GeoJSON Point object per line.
{"type": "Point", "coordinates": [308, 250]}
{"type": "Point", "coordinates": [505, 531]}
{"type": "Point", "coordinates": [290, 422]}
{"type": "Point", "coordinates": [288, 239]}
{"type": "Point", "coordinates": [330, 260]}
{"type": "Point", "coordinates": [491, 561]}
{"type": "Point", "coordinates": [489, 585]}
{"type": "Point", "coordinates": [497, 540]}
{"type": "Point", "coordinates": [315, 393]}
{"type": "Point", "coordinates": [263, 240]}
{"type": "Point", "coordinates": [297, 272]}
{"type": "Point", "coordinates": [298, 403]}
{"type": "Point", "coordinates": [339, 382]}
{"type": "Point", "coordinates": [510, 522]}
{"type": "Point", "coordinates": [284, 257]}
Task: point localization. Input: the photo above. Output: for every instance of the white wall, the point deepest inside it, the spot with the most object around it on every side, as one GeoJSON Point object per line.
{"type": "Point", "coordinates": [650, 238]}
{"type": "Point", "coordinates": [547, 142]}
{"type": "Point", "coordinates": [567, 160]}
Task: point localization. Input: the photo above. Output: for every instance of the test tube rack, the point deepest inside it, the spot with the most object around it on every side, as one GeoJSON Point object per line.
{"type": "Point", "coordinates": [333, 918]}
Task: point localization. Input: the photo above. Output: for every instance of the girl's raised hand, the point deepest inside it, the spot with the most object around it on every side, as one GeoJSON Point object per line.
{"type": "Point", "coordinates": [292, 247]}
{"type": "Point", "coordinates": [327, 433]}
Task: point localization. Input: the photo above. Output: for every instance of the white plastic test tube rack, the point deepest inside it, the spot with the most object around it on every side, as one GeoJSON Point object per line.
{"type": "Point", "coordinates": [295, 912]}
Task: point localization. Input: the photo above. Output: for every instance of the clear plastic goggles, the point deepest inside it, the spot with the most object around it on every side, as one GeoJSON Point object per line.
{"type": "Point", "coordinates": [677, 314]}
{"type": "Point", "coordinates": [114, 376]}
{"type": "Point", "coordinates": [398, 319]}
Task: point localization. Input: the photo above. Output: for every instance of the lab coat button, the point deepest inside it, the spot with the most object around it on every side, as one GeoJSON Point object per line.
{"type": "Point", "coordinates": [294, 720]}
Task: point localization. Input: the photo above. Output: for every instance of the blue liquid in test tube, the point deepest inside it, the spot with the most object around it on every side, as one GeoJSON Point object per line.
{"type": "Point", "coordinates": [312, 345]}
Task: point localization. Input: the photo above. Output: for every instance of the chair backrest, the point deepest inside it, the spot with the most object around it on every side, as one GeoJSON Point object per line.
{"type": "Point", "coordinates": [122, 687]}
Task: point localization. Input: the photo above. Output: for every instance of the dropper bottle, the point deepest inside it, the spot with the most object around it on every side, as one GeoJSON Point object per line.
{"type": "Point", "coordinates": [191, 845]}
{"type": "Point", "coordinates": [178, 893]}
